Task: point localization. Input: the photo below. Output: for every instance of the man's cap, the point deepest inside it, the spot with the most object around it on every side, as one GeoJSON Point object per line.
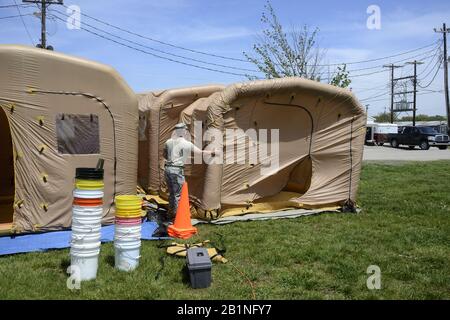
{"type": "Point", "coordinates": [180, 126]}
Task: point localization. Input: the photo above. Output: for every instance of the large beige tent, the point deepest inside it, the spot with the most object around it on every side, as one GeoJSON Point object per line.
{"type": "Point", "coordinates": [321, 134]}
{"type": "Point", "coordinates": [57, 113]}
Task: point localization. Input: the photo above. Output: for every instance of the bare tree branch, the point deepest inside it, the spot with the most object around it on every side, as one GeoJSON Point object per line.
{"type": "Point", "coordinates": [277, 54]}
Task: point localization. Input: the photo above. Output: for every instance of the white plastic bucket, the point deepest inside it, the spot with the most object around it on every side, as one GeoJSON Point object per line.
{"type": "Point", "coordinates": [128, 231]}
{"type": "Point", "coordinates": [78, 211]}
{"type": "Point", "coordinates": [85, 257]}
{"type": "Point", "coordinates": [81, 229]}
{"type": "Point", "coordinates": [85, 238]}
{"type": "Point", "coordinates": [88, 194]}
{"type": "Point", "coordinates": [86, 223]}
{"type": "Point", "coordinates": [87, 247]}
{"type": "Point", "coordinates": [127, 254]}
{"type": "Point", "coordinates": [82, 218]}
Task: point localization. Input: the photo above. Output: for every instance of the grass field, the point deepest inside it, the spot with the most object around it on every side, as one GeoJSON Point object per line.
{"type": "Point", "coordinates": [404, 228]}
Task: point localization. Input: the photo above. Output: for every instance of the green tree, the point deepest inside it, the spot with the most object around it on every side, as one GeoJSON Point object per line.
{"type": "Point", "coordinates": [383, 117]}
{"type": "Point", "coordinates": [341, 77]}
{"type": "Point", "coordinates": [278, 55]}
{"type": "Point", "coordinates": [424, 117]}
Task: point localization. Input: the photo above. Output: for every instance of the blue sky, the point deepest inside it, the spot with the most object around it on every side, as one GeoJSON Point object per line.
{"type": "Point", "coordinates": [230, 27]}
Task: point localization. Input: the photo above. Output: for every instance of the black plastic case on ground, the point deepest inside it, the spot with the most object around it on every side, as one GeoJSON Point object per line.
{"type": "Point", "coordinates": [199, 266]}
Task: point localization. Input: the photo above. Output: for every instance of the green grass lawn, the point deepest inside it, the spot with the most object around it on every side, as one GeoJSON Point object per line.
{"type": "Point", "coordinates": [404, 228]}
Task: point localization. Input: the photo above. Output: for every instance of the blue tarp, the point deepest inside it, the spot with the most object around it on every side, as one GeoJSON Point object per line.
{"type": "Point", "coordinates": [60, 239]}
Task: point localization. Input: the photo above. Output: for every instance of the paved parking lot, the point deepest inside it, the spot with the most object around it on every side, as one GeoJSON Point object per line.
{"type": "Point", "coordinates": [404, 154]}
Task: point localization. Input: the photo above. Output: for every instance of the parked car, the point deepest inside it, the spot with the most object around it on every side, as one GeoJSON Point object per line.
{"type": "Point", "coordinates": [424, 137]}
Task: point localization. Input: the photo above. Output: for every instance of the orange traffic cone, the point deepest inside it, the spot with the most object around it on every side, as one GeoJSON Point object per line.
{"type": "Point", "coordinates": [182, 227]}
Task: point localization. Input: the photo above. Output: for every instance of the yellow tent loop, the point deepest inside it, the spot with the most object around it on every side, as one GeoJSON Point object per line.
{"type": "Point", "coordinates": [19, 203]}
{"type": "Point", "coordinates": [31, 90]}
{"type": "Point", "coordinates": [44, 177]}
{"type": "Point", "coordinates": [42, 148]}
{"type": "Point", "coordinates": [44, 206]}
{"type": "Point", "coordinates": [40, 119]}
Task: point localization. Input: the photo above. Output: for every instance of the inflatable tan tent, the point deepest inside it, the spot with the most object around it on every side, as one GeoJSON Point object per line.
{"type": "Point", "coordinates": [320, 139]}
{"type": "Point", "coordinates": [158, 114]}
{"type": "Point", "coordinates": [57, 113]}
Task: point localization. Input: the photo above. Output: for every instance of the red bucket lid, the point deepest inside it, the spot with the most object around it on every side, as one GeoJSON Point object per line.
{"type": "Point", "coordinates": [88, 202]}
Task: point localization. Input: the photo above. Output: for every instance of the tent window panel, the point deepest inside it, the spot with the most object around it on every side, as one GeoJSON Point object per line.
{"type": "Point", "coordinates": [77, 134]}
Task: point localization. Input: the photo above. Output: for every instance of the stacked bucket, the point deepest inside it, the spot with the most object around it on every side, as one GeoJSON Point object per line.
{"type": "Point", "coordinates": [127, 235]}
{"type": "Point", "coordinates": [87, 213]}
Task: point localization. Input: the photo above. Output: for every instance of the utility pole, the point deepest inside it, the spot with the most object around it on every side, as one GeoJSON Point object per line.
{"type": "Point", "coordinates": [415, 63]}
{"type": "Point", "coordinates": [392, 67]}
{"type": "Point", "coordinates": [444, 30]}
{"type": "Point", "coordinates": [44, 4]}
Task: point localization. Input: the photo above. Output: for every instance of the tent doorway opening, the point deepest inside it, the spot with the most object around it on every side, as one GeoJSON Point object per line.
{"type": "Point", "coordinates": [292, 178]}
{"type": "Point", "coordinates": [6, 173]}
{"type": "Point", "coordinates": [299, 180]}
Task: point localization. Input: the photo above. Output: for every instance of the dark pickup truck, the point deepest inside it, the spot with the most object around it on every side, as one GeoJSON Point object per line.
{"type": "Point", "coordinates": [424, 137]}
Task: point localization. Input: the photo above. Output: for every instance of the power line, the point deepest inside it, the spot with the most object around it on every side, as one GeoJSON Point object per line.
{"type": "Point", "coordinates": [200, 61]}
{"type": "Point", "coordinates": [237, 59]}
{"type": "Point", "coordinates": [159, 41]}
{"type": "Point", "coordinates": [434, 77]}
{"type": "Point", "coordinates": [155, 55]}
{"type": "Point", "coordinates": [215, 64]}
{"type": "Point", "coordinates": [382, 58]}
{"type": "Point", "coordinates": [398, 61]}
{"type": "Point", "coordinates": [157, 50]}
{"type": "Point", "coordinates": [14, 5]}
{"type": "Point", "coordinates": [23, 22]}
{"type": "Point", "coordinates": [16, 16]}
{"type": "Point", "coordinates": [419, 94]}
{"type": "Point", "coordinates": [375, 96]}
{"type": "Point", "coordinates": [359, 91]}
{"type": "Point", "coordinates": [230, 58]}
{"type": "Point", "coordinates": [219, 65]}
{"type": "Point", "coordinates": [431, 61]}
{"type": "Point", "coordinates": [436, 64]}
{"type": "Point", "coordinates": [209, 63]}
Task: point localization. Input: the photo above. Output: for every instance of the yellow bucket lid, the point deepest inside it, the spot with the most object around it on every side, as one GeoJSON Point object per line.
{"type": "Point", "coordinates": [89, 184]}
{"type": "Point", "coordinates": [128, 202]}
